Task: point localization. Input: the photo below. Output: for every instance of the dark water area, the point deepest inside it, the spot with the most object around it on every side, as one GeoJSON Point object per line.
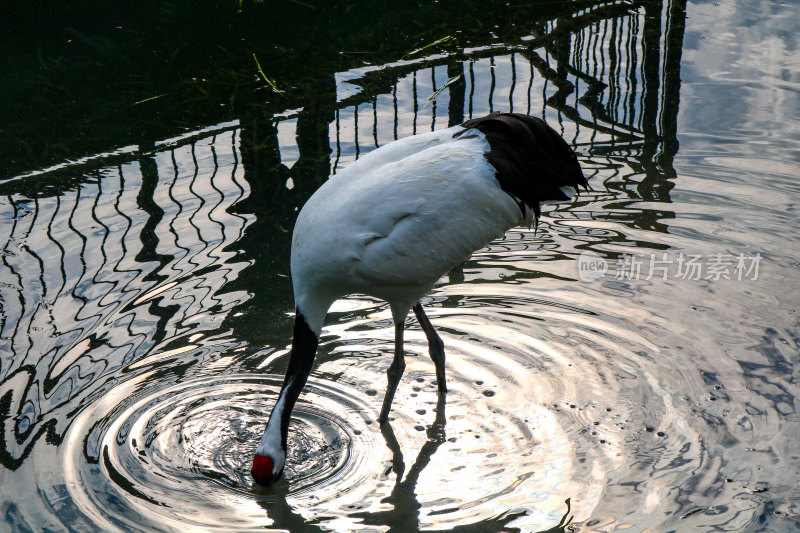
{"type": "Point", "coordinates": [631, 364]}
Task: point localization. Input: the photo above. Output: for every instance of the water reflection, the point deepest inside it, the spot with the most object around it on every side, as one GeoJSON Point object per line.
{"type": "Point", "coordinates": [96, 273]}
{"type": "Point", "coordinates": [405, 507]}
{"type": "Point", "coordinates": [146, 314]}
{"type": "Point", "coordinates": [404, 514]}
{"type": "Point", "coordinates": [171, 268]}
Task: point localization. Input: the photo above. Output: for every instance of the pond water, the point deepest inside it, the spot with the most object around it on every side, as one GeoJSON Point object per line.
{"type": "Point", "coordinates": [631, 364]}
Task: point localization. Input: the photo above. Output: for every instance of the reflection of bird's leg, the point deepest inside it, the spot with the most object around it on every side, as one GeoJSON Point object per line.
{"type": "Point", "coordinates": [436, 436]}
{"type": "Point", "coordinates": [436, 431]}
{"type": "Point", "coordinates": [405, 511]}
{"type": "Point", "coordinates": [435, 346]}
{"type": "Point", "coordinates": [398, 466]}
{"type": "Point", "coordinates": [404, 489]}
{"type": "Point", "coordinates": [395, 371]}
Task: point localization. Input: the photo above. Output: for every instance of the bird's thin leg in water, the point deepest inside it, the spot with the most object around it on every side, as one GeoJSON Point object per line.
{"type": "Point", "coordinates": [395, 371]}
{"type": "Point", "coordinates": [435, 346]}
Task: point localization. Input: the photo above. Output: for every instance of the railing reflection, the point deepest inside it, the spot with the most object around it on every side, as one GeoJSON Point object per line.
{"type": "Point", "coordinates": [127, 265]}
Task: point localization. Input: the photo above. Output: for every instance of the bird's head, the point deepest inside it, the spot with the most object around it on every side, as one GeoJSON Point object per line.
{"type": "Point", "coordinates": [267, 469]}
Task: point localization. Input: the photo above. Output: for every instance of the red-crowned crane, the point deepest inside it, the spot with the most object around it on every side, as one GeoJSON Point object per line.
{"type": "Point", "coordinates": [395, 221]}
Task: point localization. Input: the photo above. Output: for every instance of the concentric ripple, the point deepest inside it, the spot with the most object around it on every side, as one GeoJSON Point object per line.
{"type": "Point", "coordinates": [178, 458]}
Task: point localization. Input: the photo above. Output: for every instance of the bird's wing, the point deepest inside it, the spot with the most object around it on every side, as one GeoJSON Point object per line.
{"type": "Point", "coordinates": [427, 213]}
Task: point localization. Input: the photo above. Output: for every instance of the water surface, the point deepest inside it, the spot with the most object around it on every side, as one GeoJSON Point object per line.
{"type": "Point", "coordinates": [630, 364]}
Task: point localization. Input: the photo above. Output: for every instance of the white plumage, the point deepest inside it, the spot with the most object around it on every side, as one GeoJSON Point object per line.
{"type": "Point", "coordinates": [395, 221]}
{"type": "Point", "coordinates": [392, 223]}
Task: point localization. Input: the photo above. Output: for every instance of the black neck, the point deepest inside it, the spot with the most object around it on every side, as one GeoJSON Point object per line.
{"type": "Point", "coordinates": [301, 359]}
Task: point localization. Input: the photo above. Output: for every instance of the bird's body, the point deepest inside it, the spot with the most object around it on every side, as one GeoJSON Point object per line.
{"type": "Point", "coordinates": [392, 223]}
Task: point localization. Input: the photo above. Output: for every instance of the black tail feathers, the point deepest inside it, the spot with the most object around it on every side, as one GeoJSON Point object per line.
{"type": "Point", "coordinates": [532, 160]}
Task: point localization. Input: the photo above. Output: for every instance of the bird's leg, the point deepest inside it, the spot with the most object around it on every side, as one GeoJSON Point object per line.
{"type": "Point", "coordinates": [395, 371]}
{"type": "Point", "coordinates": [435, 346]}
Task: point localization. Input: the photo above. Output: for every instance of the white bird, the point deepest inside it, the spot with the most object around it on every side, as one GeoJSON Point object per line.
{"type": "Point", "coordinates": [395, 221]}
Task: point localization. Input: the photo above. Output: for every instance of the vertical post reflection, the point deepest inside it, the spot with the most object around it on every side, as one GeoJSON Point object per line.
{"type": "Point", "coordinates": [455, 106]}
